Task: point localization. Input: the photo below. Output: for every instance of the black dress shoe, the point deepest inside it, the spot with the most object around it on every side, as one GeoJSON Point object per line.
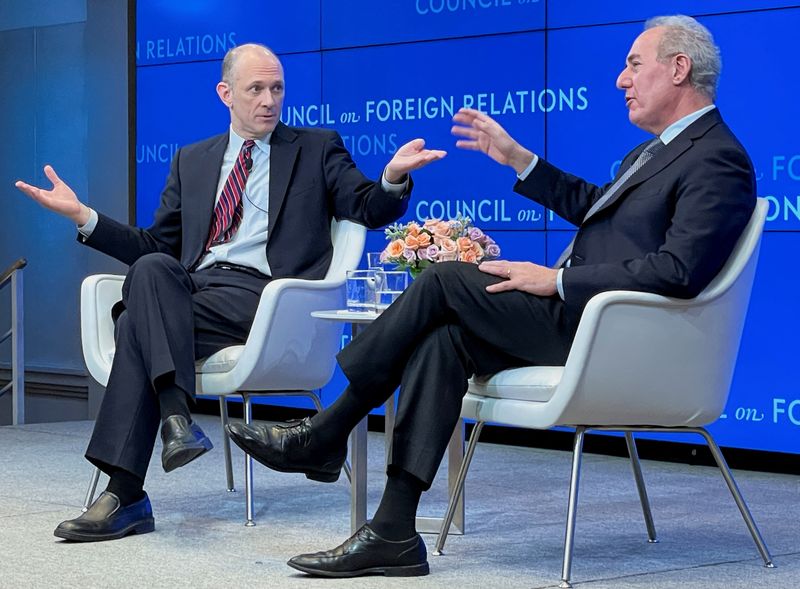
{"type": "Point", "coordinates": [106, 519]}
{"type": "Point", "coordinates": [366, 553]}
{"type": "Point", "coordinates": [183, 442]}
{"type": "Point", "coordinates": [289, 448]}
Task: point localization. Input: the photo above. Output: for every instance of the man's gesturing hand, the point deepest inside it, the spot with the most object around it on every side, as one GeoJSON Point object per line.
{"type": "Point", "coordinates": [409, 157]}
{"type": "Point", "coordinates": [60, 199]}
{"type": "Point", "coordinates": [480, 132]}
{"type": "Point", "coordinates": [524, 276]}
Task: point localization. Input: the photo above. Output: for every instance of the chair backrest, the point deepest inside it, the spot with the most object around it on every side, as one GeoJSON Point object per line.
{"type": "Point", "coordinates": [645, 359]}
{"type": "Point", "coordinates": [348, 240]}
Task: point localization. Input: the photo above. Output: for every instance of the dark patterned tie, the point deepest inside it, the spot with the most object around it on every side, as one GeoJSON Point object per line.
{"type": "Point", "coordinates": [647, 154]}
{"type": "Point", "coordinates": [228, 212]}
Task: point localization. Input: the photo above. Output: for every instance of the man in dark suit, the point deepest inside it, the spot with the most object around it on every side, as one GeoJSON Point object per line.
{"type": "Point", "coordinates": [665, 225]}
{"type": "Point", "coordinates": [238, 209]}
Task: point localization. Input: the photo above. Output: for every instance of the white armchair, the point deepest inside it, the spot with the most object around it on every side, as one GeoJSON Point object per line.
{"type": "Point", "coordinates": [639, 362]}
{"type": "Point", "coordinates": [288, 352]}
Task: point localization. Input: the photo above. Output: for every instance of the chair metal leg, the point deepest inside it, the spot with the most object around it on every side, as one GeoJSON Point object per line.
{"type": "Point", "coordinates": [737, 497]}
{"type": "Point", "coordinates": [572, 506]}
{"type": "Point", "coordinates": [226, 443]}
{"type": "Point", "coordinates": [248, 466]}
{"type": "Point", "coordinates": [458, 489]}
{"type": "Point", "coordinates": [87, 502]}
{"type": "Point", "coordinates": [637, 475]}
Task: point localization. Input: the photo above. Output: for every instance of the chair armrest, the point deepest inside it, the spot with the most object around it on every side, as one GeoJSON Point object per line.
{"type": "Point", "coordinates": [287, 347]}
{"type": "Point", "coordinates": [99, 293]}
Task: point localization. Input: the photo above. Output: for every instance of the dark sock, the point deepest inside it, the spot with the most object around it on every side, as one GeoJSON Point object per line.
{"type": "Point", "coordinates": [333, 425]}
{"type": "Point", "coordinates": [126, 485]}
{"type": "Point", "coordinates": [173, 400]}
{"type": "Point", "coordinates": [397, 513]}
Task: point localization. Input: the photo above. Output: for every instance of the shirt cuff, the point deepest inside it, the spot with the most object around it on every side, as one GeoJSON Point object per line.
{"type": "Point", "coordinates": [391, 188]}
{"type": "Point", "coordinates": [560, 283]}
{"type": "Point", "coordinates": [87, 228]}
{"type": "Point", "coordinates": [524, 174]}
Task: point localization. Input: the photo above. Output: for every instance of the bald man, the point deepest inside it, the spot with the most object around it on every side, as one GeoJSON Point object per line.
{"type": "Point", "coordinates": [238, 209]}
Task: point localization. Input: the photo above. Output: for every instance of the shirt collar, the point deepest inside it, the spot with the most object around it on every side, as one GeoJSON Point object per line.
{"type": "Point", "coordinates": [235, 141]}
{"type": "Point", "coordinates": [675, 128]}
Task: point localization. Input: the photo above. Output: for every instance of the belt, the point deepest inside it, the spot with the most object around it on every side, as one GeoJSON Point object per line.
{"type": "Point", "coordinates": [238, 268]}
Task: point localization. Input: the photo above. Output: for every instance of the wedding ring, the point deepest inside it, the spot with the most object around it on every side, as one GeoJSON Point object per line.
{"type": "Point", "coordinates": [508, 272]}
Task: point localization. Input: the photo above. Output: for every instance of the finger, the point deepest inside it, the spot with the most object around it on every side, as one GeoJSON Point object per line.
{"type": "Point", "coordinates": [468, 112]}
{"type": "Point", "coordinates": [31, 191]}
{"type": "Point", "coordinates": [465, 144]}
{"type": "Point", "coordinates": [495, 268]}
{"type": "Point", "coordinates": [463, 116]}
{"type": "Point", "coordinates": [413, 145]}
{"type": "Point", "coordinates": [51, 174]}
{"type": "Point", "coordinates": [502, 286]}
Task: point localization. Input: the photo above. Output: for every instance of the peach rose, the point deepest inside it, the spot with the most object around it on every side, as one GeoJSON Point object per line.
{"type": "Point", "coordinates": [411, 242]}
{"type": "Point", "coordinates": [395, 248]}
{"type": "Point", "coordinates": [448, 250]}
{"type": "Point", "coordinates": [469, 256]}
{"type": "Point", "coordinates": [424, 239]}
{"type": "Point", "coordinates": [413, 229]}
{"type": "Point", "coordinates": [464, 244]}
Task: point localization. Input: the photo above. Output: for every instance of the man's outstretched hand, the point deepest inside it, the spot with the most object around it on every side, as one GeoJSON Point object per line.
{"type": "Point", "coordinates": [524, 276]}
{"type": "Point", "coordinates": [410, 157]}
{"type": "Point", "coordinates": [479, 132]}
{"type": "Point", "coordinates": [60, 199]}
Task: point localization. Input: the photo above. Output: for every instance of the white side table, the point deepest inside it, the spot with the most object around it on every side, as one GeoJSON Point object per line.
{"type": "Point", "coordinates": [358, 446]}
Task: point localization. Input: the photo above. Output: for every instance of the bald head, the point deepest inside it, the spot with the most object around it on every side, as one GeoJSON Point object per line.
{"type": "Point", "coordinates": [232, 58]}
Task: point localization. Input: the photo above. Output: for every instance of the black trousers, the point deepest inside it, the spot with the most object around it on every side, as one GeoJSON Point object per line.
{"type": "Point", "coordinates": [170, 319]}
{"type": "Point", "coordinates": [440, 332]}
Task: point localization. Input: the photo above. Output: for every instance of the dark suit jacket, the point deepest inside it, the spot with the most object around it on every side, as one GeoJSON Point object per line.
{"type": "Point", "coordinates": [312, 179]}
{"type": "Point", "coordinates": [668, 230]}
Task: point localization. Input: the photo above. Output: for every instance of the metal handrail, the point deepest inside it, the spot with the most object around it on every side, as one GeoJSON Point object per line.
{"type": "Point", "coordinates": [18, 265]}
{"type": "Point", "coordinates": [13, 276]}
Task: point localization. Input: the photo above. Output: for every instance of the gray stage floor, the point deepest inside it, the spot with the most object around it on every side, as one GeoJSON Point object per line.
{"type": "Point", "coordinates": [516, 503]}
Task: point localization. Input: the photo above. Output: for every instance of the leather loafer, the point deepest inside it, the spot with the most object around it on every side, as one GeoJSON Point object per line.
{"type": "Point", "coordinates": [289, 448]}
{"type": "Point", "coordinates": [106, 519]}
{"type": "Point", "coordinates": [366, 553]}
{"type": "Point", "coordinates": [183, 442]}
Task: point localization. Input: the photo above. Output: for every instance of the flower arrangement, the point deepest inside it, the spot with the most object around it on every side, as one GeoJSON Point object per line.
{"type": "Point", "coordinates": [415, 247]}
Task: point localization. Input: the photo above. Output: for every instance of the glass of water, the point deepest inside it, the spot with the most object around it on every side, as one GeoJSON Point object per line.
{"type": "Point", "coordinates": [361, 290]}
{"type": "Point", "coordinates": [390, 285]}
{"type": "Point", "coordinates": [374, 261]}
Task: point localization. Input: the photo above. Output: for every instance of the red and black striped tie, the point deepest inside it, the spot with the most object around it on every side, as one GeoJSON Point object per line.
{"type": "Point", "coordinates": [228, 212]}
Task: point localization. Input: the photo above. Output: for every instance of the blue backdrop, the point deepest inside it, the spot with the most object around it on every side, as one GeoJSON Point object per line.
{"type": "Point", "coordinates": [382, 73]}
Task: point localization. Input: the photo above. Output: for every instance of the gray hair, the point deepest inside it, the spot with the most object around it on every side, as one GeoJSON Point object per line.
{"type": "Point", "coordinates": [229, 61]}
{"type": "Point", "coordinates": [683, 34]}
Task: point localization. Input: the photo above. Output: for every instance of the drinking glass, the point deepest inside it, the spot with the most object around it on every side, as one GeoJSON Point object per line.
{"type": "Point", "coordinates": [360, 286]}
{"type": "Point", "coordinates": [390, 285]}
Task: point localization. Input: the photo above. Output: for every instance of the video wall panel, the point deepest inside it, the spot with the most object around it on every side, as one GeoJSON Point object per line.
{"type": "Point", "coordinates": [382, 73]}
{"type": "Point", "coordinates": [571, 13]}
{"type": "Point", "coordinates": [183, 32]}
{"type": "Point", "coordinates": [351, 23]}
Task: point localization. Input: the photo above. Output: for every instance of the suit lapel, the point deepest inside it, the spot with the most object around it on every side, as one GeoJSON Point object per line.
{"type": "Point", "coordinates": [282, 159]}
{"type": "Point", "coordinates": [202, 190]}
{"type": "Point", "coordinates": [666, 156]}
